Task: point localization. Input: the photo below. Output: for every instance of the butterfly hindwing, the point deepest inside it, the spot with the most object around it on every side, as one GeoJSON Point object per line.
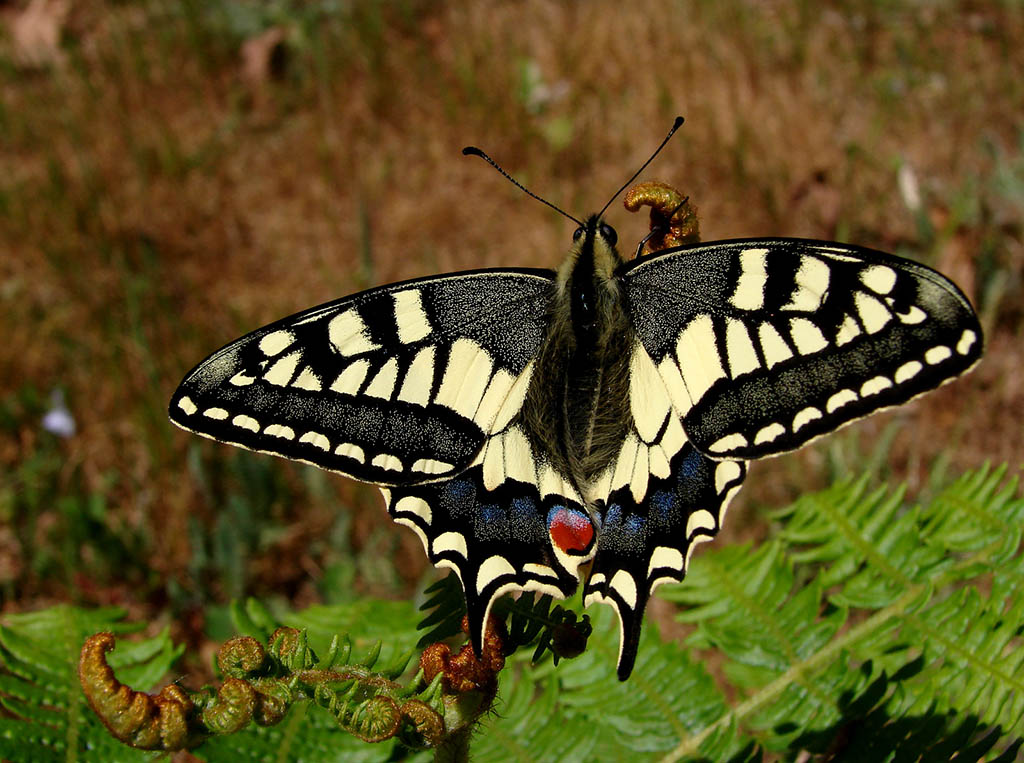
{"type": "Point", "coordinates": [659, 499]}
{"type": "Point", "coordinates": [396, 385]}
{"type": "Point", "coordinates": [648, 542]}
{"type": "Point", "coordinates": [765, 344]}
{"type": "Point", "coordinates": [508, 523]}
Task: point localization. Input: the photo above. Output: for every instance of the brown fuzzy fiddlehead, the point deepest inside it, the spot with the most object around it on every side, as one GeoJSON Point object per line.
{"type": "Point", "coordinates": [160, 722]}
{"type": "Point", "coordinates": [262, 682]}
{"type": "Point", "coordinates": [673, 217]}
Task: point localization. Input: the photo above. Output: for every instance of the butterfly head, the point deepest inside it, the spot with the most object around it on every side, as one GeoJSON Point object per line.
{"type": "Point", "coordinates": [587, 276]}
{"type": "Point", "coordinates": [595, 227]}
{"type": "Point", "coordinates": [593, 250]}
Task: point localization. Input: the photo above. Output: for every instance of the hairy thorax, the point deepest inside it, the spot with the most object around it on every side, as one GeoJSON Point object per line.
{"type": "Point", "coordinates": [577, 408]}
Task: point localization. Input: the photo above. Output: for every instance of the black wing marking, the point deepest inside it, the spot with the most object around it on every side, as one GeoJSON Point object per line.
{"type": "Point", "coordinates": [396, 385]}
{"type": "Point", "coordinates": [508, 523]}
{"type": "Point", "coordinates": [659, 499]}
{"type": "Point", "coordinates": [765, 344]}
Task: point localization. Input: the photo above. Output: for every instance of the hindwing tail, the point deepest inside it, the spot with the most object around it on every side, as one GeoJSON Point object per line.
{"type": "Point", "coordinates": [644, 544]}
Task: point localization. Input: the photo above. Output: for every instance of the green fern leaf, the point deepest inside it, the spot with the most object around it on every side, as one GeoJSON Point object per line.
{"type": "Point", "coordinates": [980, 510]}
{"type": "Point", "coordinates": [446, 605]}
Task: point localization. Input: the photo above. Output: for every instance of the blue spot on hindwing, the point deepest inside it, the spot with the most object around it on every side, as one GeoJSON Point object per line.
{"type": "Point", "coordinates": [613, 516]}
{"type": "Point", "coordinates": [523, 507]}
{"type": "Point", "coordinates": [662, 503]}
{"type": "Point", "coordinates": [695, 482]}
{"type": "Point", "coordinates": [690, 466]}
{"type": "Point", "coordinates": [492, 513]}
{"type": "Point", "coordinates": [458, 498]}
{"type": "Point", "coordinates": [491, 523]}
{"type": "Point", "coordinates": [525, 521]}
{"type": "Point", "coordinates": [624, 533]}
{"type": "Point", "coordinates": [634, 524]}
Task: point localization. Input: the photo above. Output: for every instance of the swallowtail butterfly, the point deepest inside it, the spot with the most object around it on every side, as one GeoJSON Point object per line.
{"type": "Point", "coordinates": [538, 428]}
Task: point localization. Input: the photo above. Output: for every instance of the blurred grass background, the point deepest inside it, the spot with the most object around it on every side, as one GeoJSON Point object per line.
{"type": "Point", "coordinates": [175, 173]}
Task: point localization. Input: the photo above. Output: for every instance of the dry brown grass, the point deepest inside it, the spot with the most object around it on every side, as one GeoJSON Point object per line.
{"type": "Point", "coordinates": [155, 203]}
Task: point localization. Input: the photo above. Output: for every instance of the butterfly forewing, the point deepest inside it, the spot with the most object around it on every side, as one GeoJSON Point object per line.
{"type": "Point", "coordinates": [765, 344]}
{"type": "Point", "coordinates": [396, 385]}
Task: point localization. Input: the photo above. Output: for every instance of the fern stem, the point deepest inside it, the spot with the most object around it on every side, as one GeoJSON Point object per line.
{"type": "Point", "coordinates": [455, 748]}
{"type": "Point", "coordinates": [795, 673]}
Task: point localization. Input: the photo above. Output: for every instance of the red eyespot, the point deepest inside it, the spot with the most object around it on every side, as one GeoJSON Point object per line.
{"type": "Point", "coordinates": [570, 530]}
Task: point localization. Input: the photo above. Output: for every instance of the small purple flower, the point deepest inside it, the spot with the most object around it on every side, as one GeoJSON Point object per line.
{"type": "Point", "coordinates": [58, 420]}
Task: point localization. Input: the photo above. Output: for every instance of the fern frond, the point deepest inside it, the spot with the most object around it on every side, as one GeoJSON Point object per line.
{"type": "Point", "coordinates": [925, 602]}
{"type": "Point", "coordinates": [310, 731]}
{"type": "Point", "coordinates": [446, 606]}
{"type": "Point", "coordinates": [980, 510]}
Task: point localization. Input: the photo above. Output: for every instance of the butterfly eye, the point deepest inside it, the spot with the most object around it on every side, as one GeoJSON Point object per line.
{"type": "Point", "coordinates": [577, 234]}
{"type": "Point", "coordinates": [608, 234]}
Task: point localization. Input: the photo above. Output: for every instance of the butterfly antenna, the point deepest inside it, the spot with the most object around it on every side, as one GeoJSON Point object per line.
{"type": "Point", "coordinates": [474, 151]}
{"type": "Point", "coordinates": [675, 126]}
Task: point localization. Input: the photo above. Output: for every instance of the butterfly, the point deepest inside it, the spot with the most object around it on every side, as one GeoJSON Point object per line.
{"type": "Point", "coordinates": [540, 428]}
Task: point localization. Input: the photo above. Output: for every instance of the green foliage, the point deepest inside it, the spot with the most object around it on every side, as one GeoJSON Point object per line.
{"type": "Point", "coordinates": [864, 609]}
{"type": "Point", "coordinates": [583, 712]}
{"type": "Point", "coordinates": [446, 606]}
{"type": "Point", "coordinates": [866, 628]}
{"type": "Point", "coordinates": [46, 716]}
